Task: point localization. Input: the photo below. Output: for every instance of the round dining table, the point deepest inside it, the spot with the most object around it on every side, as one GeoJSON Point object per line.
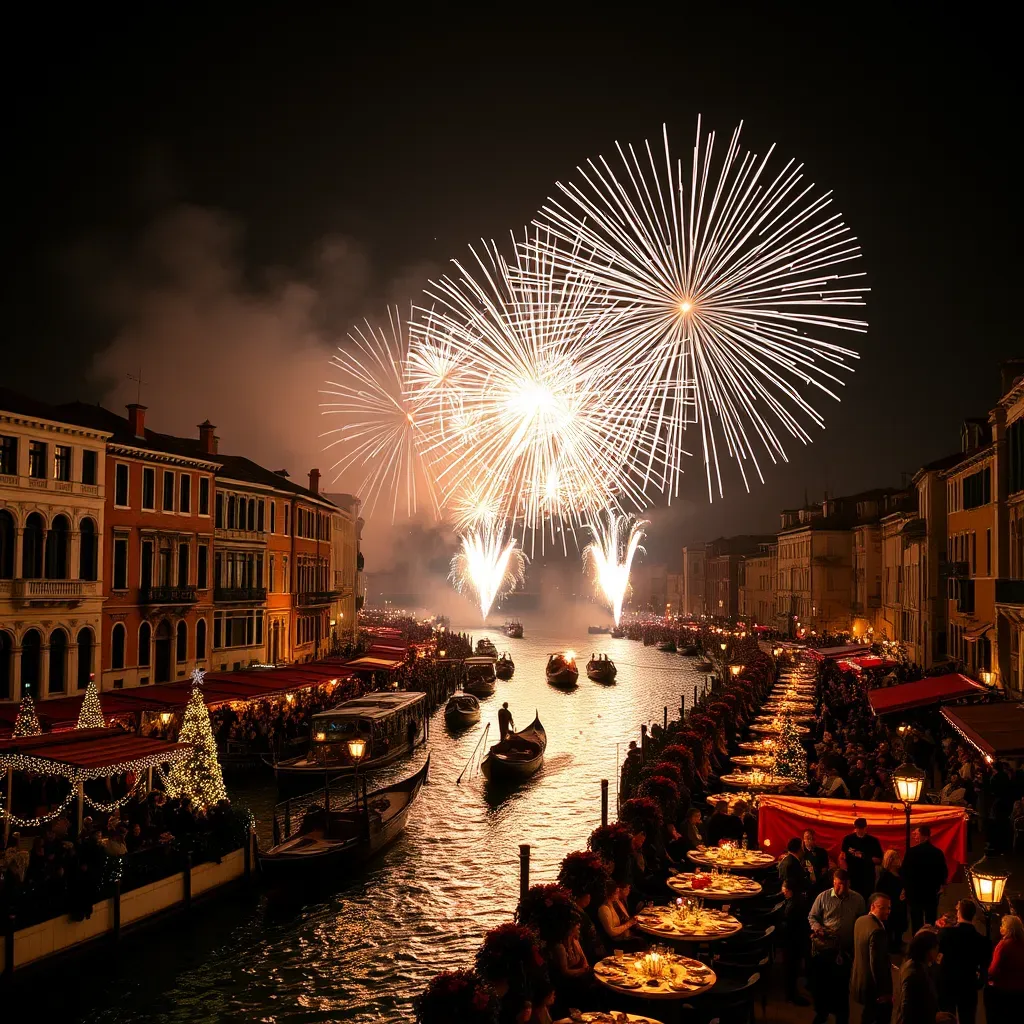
{"type": "Point", "coordinates": [753, 760]}
{"type": "Point", "coordinates": [718, 888]}
{"type": "Point", "coordinates": [745, 780]}
{"type": "Point", "coordinates": [604, 1017]}
{"type": "Point", "coordinates": [683, 977]}
{"type": "Point", "coordinates": [732, 860]}
{"type": "Point", "coordinates": [681, 925]}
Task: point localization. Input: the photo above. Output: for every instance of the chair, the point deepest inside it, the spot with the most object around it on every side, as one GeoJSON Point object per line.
{"type": "Point", "coordinates": [729, 1002]}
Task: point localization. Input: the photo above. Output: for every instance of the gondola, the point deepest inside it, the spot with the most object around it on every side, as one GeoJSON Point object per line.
{"type": "Point", "coordinates": [601, 669]}
{"type": "Point", "coordinates": [599, 630]}
{"type": "Point", "coordinates": [688, 650]}
{"type": "Point", "coordinates": [561, 670]}
{"type": "Point", "coordinates": [668, 646]}
{"type": "Point", "coordinates": [514, 629]}
{"type": "Point", "coordinates": [462, 710]}
{"type": "Point", "coordinates": [485, 648]}
{"type": "Point", "coordinates": [618, 634]}
{"type": "Point", "coordinates": [505, 667]}
{"type": "Point", "coordinates": [481, 679]}
{"type": "Point", "coordinates": [329, 842]}
{"type": "Point", "coordinates": [517, 757]}
{"type": "Point", "coordinates": [704, 665]}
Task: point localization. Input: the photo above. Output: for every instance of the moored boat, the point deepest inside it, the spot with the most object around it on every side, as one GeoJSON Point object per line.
{"type": "Point", "coordinates": [561, 669]}
{"type": "Point", "coordinates": [517, 757]}
{"type": "Point", "coordinates": [688, 650]}
{"type": "Point", "coordinates": [514, 629]}
{"type": "Point", "coordinates": [481, 678]}
{"type": "Point", "coordinates": [703, 665]}
{"type": "Point", "coordinates": [329, 841]}
{"type": "Point", "coordinates": [668, 646]}
{"type": "Point", "coordinates": [485, 648]}
{"type": "Point", "coordinates": [505, 667]}
{"type": "Point", "coordinates": [601, 669]}
{"type": "Point", "coordinates": [391, 724]}
{"type": "Point", "coordinates": [599, 630]}
{"type": "Point", "coordinates": [463, 709]}
{"type": "Point", "coordinates": [618, 634]}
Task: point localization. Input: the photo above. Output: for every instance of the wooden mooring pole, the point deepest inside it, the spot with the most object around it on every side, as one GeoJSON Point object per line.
{"type": "Point", "coordinates": [604, 801]}
{"type": "Point", "coordinates": [524, 869]}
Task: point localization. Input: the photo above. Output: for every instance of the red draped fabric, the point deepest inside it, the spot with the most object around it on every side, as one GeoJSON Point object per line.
{"type": "Point", "coordinates": [780, 818]}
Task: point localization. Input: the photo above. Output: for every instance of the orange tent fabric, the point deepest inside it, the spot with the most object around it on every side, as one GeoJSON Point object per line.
{"type": "Point", "coordinates": [780, 818]}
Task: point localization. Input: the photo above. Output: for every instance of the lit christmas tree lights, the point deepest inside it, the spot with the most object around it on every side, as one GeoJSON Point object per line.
{"type": "Point", "coordinates": [790, 758]}
{"type": "Point", "coordinates": [198, 775]}
{"type": "Point", "coordinates": [27, 722]}
{"type": "Point", "coordinates": [91, 714]}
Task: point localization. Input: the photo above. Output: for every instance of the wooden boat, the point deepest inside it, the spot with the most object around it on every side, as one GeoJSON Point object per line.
{"type": "Point", "coordinates": [561, 670]}
{"type": "Point", "coordinates": [485, 648]}
{"type": "Point", "coordinates": [688, 650]}
{"type": "Point", "coordinates": [517, 757]}
{"type": "Point", "coordinates": [599, 630]}
{"type": "Point", "coordinates": [703, 665]}
{"type": "Point", "coordinates": [601, 669]}
{"type": "Point", "coordinates": [618, 634]}
{"type": "Point", "coordinates": [481, 678]}
{"type": "Point", "coordinates": [329, 841]}
{"type": "Point", "coordinates": [514, 629]}
{"type": "Point", "coordinates": [462, 710]}
{"type": "Point", "coordinates": [668, 646]}
{"type": "Point", "coordinates": [390, 723]}
{"type": "Point", "coordinates": [505, 667]}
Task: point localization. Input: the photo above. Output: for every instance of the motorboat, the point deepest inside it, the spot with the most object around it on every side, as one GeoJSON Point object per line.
{"type": "Point", "coordinates": [486, 648]}
{"type": "Point", "coordinates": [561, 669]}
{"type": "Point", "coordinates": [514, 629]}
{"type": "Point", "coordinates": [505, 667]}
{"type": "Point", "coordinates": [518, 756]}
{"type": "Point", "coordinates": [618, 634]}
{"type": "Point", "coordinates": [463, 709]}
{"type": "Point", "coordinates": [599, 630]}
{"type": "Point", "coordinates": [601, 669]}
{"type": "Point", "coordinates": [688, 650]}
{"type": "Point", "coordinates": [481, 679]}
{"type": "Point", "coordinates": [328, 842]}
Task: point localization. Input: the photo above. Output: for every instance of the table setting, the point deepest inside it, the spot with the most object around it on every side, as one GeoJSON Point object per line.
{"type": "Point", "coordinates": [730, 857]}
{"type": "Point", "coordinates": [687, 921]}
{"type": "Point", "coordinates": [766, 747]}
{"type": "Point", "coordinates": [754, 760]}
{"type": "Point", "coordinates": [774, 725]}
{"type": "Point", "coordinates": [756, 778]}
{"type": "Point", "coordinates": [604, 1017]}
{"type": "Point", "coordinates": [657, 974]}
{"type": "Point", "coordinates": [713, 885]}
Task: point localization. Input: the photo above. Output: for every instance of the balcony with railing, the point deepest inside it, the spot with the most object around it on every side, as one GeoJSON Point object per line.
{"type": "Point", "coordinates": [248, 595]}
{"type": "Point", "coordinates": [313, 599]}
{"type": "Point", "coordinates": [53, 592]}
{"type": "Point", "coordinates": [167, 595]}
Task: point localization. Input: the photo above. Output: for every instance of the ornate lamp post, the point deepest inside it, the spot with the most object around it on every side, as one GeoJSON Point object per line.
{"type": "Point", "coordinates": [988, 882]}
{"type": "Point", "coordinates": [908, 780]}
{"type": "Point", "coordinates": [356, 750]}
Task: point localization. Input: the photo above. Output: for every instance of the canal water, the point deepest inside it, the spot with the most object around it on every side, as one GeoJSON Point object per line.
{"type": "Point", "coordinates": [362, 953]}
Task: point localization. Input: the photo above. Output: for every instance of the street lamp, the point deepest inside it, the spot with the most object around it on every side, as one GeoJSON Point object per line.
{"type": "Point", "coordinates": [908, 780]}
{"type": "Point", "coordinates": [735, 670]}
{"type": "Point", "coordinates": [988, 882]}
{"type": "Point", "coordinates": [356, 750]}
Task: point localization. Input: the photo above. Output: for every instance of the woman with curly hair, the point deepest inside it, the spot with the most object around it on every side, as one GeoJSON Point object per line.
{"type": "Point", "coordinates": [584, 875]}
{"type": "Point", "coordinates": [510, 961]}
{"type": "Point", "coordinates": [613, 843]}
{"type": "Point", "coordinates": [461, 996]}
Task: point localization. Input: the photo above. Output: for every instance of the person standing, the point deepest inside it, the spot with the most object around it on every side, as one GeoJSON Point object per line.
{"type": "Point", "coordinates": [790, 868]}
{"type": "Point", "coordinates": [890, 881]}
{"type": "Point", "coordinates": [815, 860]}
{"type": "Point", "coordinates": [924, 875]}
{"type": "Point", "coordinates": [1005, 988]}
{"type": "Point", "coordinates": [832, 918]}
{"type": "Point", "coordinates": [963, 968]}
{"type": "Point", "coordinates": [863, 854]}
{"type": "Point", "coordinates": [505, 723]}
{"type": "Point", "coordinates": [871, 978]}
{"type": "Point", "coordinates": [919, 1000]}
{"type": "Point", "coordinates": [795, 933]}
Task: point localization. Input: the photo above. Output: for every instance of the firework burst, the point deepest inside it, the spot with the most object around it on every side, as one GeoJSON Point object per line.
{"type": "Point", "coordinates": [731, 275]}
{"type": "Point", "coordinates": [610, 555]}
{"type": "Point", "coordinates": [487, 565]}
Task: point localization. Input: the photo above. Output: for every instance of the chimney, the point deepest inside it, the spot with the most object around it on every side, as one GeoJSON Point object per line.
{"type": "Point", "coordinates": [314, 481]}
{"type": "Point", "coordinates": [207, 438]}
{"type": "Point", "coordinates": [137, 419]}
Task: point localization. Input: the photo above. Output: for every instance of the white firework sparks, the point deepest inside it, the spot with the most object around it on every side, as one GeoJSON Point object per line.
{"type": "Point", "coordinates": [487, 565]}
{"type": "Point", "coordinates": [610, 555]}
{"type": "Point", "coordinates": [730, 275]}
{"type": "Point", "coordinates": [381, 434]}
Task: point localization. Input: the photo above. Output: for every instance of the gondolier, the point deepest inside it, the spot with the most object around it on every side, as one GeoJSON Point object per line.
{"type": "Point", "coordinates": [505, 723]}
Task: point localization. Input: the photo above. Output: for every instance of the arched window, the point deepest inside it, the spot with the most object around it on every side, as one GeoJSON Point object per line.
{"type": "Point", "coordinates": [6, 664]}
{"type": "Point", "coordinates": [181, 643]}
{"type": "Point", "coordinates": [57, 548]}
{"type": "Point", "coordinates": [145, 638]}
{"type": "Point", "coordinates": [32, 547]}
{"type": "Point", "coordinates": [58, 661]}
{"type": "Point", "coordinates": [86, 643]}
{"type": "Point", "coordinates": [117, 639]}
{"type": "Point", "coordinates": [88, 551]}
{"type": "Point", "coordinates": [162, 660]}
{"type": "Point", "coordinates": [6, 545]}
{"type": "Point", "coordinates": [31, 658]}
{"type": "Point", "coordinates": [200, 639]}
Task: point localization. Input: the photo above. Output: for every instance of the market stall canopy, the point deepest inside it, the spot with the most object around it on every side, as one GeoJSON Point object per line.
{"type": "Point", "coordinates": [885, 700]}
{"type": "Point", "coordinates": [218, 688]}
{"type": "Point", "coordinates": [836, 652]}
{"type": "Point", "coordinates": [87, 753]}
{"type": "Point", "coordinates": [782, 817]}
{"type": "Point", "coordinates": [997, 730]}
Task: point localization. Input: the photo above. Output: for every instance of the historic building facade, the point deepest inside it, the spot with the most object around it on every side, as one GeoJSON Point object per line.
{"type": "Point", "coordinates": [51, 550]}
{"type": "Point", "coordinates": [693, 584]}
{"type": "Point", "coordinates": [757, 586]}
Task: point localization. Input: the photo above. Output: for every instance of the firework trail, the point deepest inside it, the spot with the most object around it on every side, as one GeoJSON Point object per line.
{"type": "Point", "coordinates": [610, 555]}
{"type": "Point", "coordinates": [487, 565]}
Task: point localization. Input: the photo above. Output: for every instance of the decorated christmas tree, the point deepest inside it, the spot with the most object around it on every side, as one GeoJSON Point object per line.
{"type": "Point", "coordinates": [91, 714]}
{"type": "Point", "coordinates": [198, 774]}
{"type": "Point", "coordinates": [27, 722]}
{"type": "Point", "coordinates": [790, 758]}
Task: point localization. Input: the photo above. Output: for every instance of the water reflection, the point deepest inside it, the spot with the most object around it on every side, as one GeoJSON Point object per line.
{"type": "Point", "coordinates": [362, 952]}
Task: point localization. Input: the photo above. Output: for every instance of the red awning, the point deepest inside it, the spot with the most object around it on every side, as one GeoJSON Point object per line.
{"type": "Point", "coordinates": [835, 652]}
{"type": "Point", "coordinates": [886, 700]}
{"type": "Point", "coordinates": [91, 752]}
{"type": "Point", "coordinates": [997, 730]}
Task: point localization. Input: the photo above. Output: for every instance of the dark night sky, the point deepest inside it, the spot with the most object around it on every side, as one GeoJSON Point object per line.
{"type": "Point", "coordinates": [216, 199]}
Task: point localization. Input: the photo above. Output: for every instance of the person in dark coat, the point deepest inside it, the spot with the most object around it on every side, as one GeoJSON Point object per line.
{"type": "Point", "coordinates": [863, 852]}
{"type": "Point", "coordinates": [796, 934]}
{"type": "Point", "coordinates": [924, 875]}
{"type": "Point", "coordinates": [919, 1000]}
{"type": "Point", "coordinates": [871, 978]}
{"type": "Point", "coordinates": [815, 859]}
{"type": "Point", "coordinates": [890, 881]}
{"type": "Point", "coordinates": [791, 868]}
{"type": "Point", "coordinates": [963, 969]}
{"type": "Point", "coordinates": [723, 825]}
